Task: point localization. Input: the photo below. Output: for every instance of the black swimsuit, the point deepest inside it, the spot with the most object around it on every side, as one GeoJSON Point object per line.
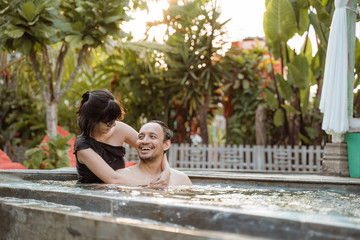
{"type": "Point", "coordinates": [112, 155]}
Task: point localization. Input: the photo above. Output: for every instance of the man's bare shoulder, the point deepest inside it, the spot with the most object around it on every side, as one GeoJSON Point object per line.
{"type": "Point", "coordinates": [179, 178]}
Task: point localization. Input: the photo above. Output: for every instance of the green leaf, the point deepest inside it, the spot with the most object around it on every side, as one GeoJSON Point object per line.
{"type": "Point", "coordinates": [279, 118]}
{"type": "Point", "coordinates": [285, 88]}
{"type": "Point", "coordinates": [304, 20]}
{"type": "Point", "coordinates": [311, 132]}
{"type": "Point", "coordinates": [73, 40]}
{"type": "Point", "coordinates": [305, 99]}
{"type": "Point", "coordinates": [41, 30]}
{"type": "Point", "coordinates": [240, 75]}
{"type": "Point", "coordinates": [4, 10]}
{"type": "Point", "coordinates": [308, 51]}
{"type": "Point", "coordinates": [298, 70]}
{"type": "Point", "coordinates": [304, 138]}
{"type": "Point", "coordinates": [290, 109]}
{"type": "Point", "coordinates": [14, 31]}
{"type": "Point", "coordinates": [27, 11]}
{"type": "Point", "coordinates": [24, 45]}
{"type": "Point", "coordinates": [316, 24]}
{"type": "Point", "coordinates": [311, 78]}
{"type": "Point", "coordinates": [302, 4]}
{"type": "Point", "coordinates": [37, 159]}
{"type": "Point", "coordinates": [322, 14]}
{"type": "Point", "coordinates": [236, 84]}
{"type": "Point", "coordinates": [246, 84]}
{"type": "Point", "coordinates": [357, 61]}
{"type": "Point", "coordinates": [60, 153]}
{"type": "Point", "coordinates": [193, 75]}
{"type": "Point", "coordinates": [102, 30]}
{"type": "Point", "coordinates": [315, 64]}
{"type": "Point", "coordinates": [192, 106]}
{"type": "Point", "coordinates": [279, 21]}
{"type": "Point", "coordinates": [271, 99]}
{"type": "Point", "coordinates": [88, 40]}
{"type": "Point", "coordinates": [77, 26]}
{"type": "Point", "coordinates": [63, 26]}
{"type": "Point", "coordinates": [111, 19]}
{"type": "Point", "coordinates": [31, 151]}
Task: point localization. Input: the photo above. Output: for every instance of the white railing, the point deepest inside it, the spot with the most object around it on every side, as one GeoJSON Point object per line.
{"type": "Point", "coordinates": [243, 158]}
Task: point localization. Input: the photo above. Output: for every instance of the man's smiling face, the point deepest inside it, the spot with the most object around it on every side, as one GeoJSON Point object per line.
{"type": "Point", "coordinates": [150, 143]}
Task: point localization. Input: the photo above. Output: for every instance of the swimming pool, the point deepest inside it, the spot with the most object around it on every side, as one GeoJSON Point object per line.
{"type": "Point", "coordinates": [222, 210]}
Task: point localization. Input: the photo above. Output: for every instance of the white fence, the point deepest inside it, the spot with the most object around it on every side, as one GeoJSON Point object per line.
{"type": "Point", "coordinates": [244, 158]}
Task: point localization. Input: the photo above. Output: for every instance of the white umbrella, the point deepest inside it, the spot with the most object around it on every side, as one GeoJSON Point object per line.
{"type": "Point", "coordinates": [334, 96]}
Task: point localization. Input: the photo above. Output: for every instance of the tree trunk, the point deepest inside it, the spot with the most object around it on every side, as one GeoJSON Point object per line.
{"type": "Point", "coordinates": [202, 113]}
{"type": "Point", "coordinates": [294, 119]}
{"type": "Point", "coordinates": [316, 122]}
{"type": "Point", "coordinates": [316, 125]}
{"type": "Point", "coordinates": [260, 125]}
{"type": "Point", "coordinates": [51, 118]}
{"type": "Point", "coordinates": [203, 124]}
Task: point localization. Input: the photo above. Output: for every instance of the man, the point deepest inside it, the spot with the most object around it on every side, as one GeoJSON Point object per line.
{"type": "Point", "coordinates": [154, 139]}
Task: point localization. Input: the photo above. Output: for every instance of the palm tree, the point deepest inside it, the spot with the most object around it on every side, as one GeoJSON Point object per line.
{"type": "Point", "coordinates": [194, 70]}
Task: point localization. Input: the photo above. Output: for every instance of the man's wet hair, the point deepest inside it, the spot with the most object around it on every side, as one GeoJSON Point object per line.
{"type": "Point", "coordinates": [165, 128]}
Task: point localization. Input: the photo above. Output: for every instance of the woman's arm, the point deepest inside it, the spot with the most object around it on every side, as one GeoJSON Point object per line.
{"type": "Point", "coordinates": [100, 168]}
{"type": "Point", "coordinates": [164, 177]}
{"type": "Point", "coordinates": [130, 134]}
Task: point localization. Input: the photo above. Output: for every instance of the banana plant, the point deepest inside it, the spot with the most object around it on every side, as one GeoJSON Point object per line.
{"type": "Point", "coordinates": [297, 118]}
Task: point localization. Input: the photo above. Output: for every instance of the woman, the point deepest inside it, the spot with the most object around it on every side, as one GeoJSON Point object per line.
{"type": "Point", "coordinates": [98, 149]}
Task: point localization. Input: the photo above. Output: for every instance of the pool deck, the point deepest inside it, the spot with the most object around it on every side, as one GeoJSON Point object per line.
{"type": "Point", "coordinates": [291, 180]}
{"type": "Point", "coordinates": [312, 181]}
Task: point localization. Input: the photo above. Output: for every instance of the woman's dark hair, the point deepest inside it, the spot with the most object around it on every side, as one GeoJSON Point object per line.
{"type": "Point", "coordinates": [165, 128]}
{"type": "Point", "coordinates": [98, 106]}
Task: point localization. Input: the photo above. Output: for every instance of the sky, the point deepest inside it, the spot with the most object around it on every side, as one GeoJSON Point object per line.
{"type": "Point", "coordinates": [246, 20]}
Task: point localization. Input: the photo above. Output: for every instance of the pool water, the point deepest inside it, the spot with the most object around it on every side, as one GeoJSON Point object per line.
{"type": "Point", "coordinates": [266, 212]}
{"type": "Point", "coordinates": [331, 203]}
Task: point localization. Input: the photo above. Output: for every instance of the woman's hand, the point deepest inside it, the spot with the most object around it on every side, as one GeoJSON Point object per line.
{"type": "Point", "coordinates": [164, 178]}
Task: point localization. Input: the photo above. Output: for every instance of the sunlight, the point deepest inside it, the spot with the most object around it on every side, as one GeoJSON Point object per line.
{"type": "Point", "coordinates": [137, 26]}
{"type": "Point", "coordinates": [246, 20]}
{"type": "Point", "coordinates": [297, 41]}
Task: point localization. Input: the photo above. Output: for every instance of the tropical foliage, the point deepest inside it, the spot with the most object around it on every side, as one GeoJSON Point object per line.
{"type": "Point", "coordinates": [63, 48]}
{"type": "Point", "coordinates": [197, 34]}
{"type": "Point", "coordinates": [50, 155]}
{"type": "Point", "coordinates": [243, 91]}
{"type": "Point", "coordinates": [21, 114]}
{"type": "Point", "coordinates": [134, 71]}
{"type": "Point", "coordinates": [298, 119]}
{"type": "Point", "coordinates": [46, 30]}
